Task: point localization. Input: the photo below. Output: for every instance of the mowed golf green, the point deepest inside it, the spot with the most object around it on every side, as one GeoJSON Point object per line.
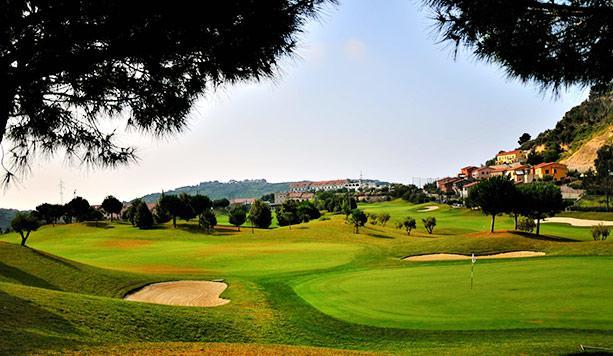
{"type": "Point", "coordinates": [556, 292]}
{"type": "Point", "coordinates": [316, 285]}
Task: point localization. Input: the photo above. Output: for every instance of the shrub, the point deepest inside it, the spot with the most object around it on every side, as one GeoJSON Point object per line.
{"type": "Point", "coordinates": [600, 232]}
{"type": "Point", "coordinates": [429, 223]}
{"type": "Point", "coordinates": [373, 218]}
{"type": "Point", "coordinates": [208, 220]}
{"type": "Point", "coordinates": [384, 218]}
{"type": "Point", "coordinates": [526, 224]}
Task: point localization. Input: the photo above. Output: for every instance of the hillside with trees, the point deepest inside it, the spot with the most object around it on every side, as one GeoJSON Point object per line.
{"type": "Point", "coordinates": [250, 188]}
{"type": "Point", "coordinates": [578, 135]}
{"type": "Point", "coordinates": [6, 215]}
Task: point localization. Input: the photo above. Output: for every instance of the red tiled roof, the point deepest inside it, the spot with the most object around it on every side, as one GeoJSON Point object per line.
{"type": "Point", "coordinates": [503, 153]}
{"type": "Point", "coordinates": [549, 164]}
{"type": "Point", "coordinates": [470, 184]}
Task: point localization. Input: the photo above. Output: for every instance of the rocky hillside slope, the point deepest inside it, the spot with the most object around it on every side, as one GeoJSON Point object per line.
{"type": "Point", "coordinates": [581, 132]}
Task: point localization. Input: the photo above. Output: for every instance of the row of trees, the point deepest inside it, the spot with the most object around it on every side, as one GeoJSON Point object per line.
{"type": "Point", "coordinates": [498, 195]}
{"type": "Point", "coordinates": [409, 223]}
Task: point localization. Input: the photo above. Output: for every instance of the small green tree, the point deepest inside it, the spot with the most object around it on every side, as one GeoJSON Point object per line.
{"type": "Point", "coordinates": [373, 218]}
{"type": "Point", "coordinates": [200, 204]}
{"type": "Point", "coordinates": [221, 203]}
{"type": "Point", "coordinates": [494, 196]}
{"type": "Point", "coordinates": [429, 223]}
{"type": "Point", "coordinates": [408, 224]}
{"type": "Point", "coordinates": [357, 218]}
{"type": "Point", "coordinates": [24, 224]}
{"type": "Point", "coordinates": [287, 218]}
{"type": "Point", "coordinates": [186, 210]}
{"type": "Point", "coordinates": [143, 218]}
{"type": "Point", "coordinates": [260, 215]}
{"type": "Point", "coordinates": [112, 206]}
{"type": "Point", "coordinates": [237, 216]}
{"type": "Point", "coordinates": [170, 205]}
{"type": "Point", "coordinates": [600, 232]}
{"type": "Point", "coordinates": [525, 137]}
{"type": "Point", "coordinates": [541, 200]}
{"type": "Point", "coordinates": [208, 220]}
{"type": "Point", "coordinates": [384, 218]}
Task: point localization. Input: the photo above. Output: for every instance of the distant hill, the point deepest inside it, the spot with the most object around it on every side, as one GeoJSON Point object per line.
{"type": "Point", "coordinates": [581, 132]}
{"type": "Point", "coordinates": [6, 216]}
{"type": "Point", "coordinates": [252, 188]}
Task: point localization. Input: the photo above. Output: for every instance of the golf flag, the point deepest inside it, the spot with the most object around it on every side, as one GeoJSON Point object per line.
{"type": "Point", "coordinates": [472, 269]}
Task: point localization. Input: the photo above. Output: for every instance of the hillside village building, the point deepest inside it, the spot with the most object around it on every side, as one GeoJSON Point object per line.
{"type": "Point", "coordinates": [282, 197]}
{"type": "Point", "coordinates": [510, 157]}
{"type": "Point", "coordinates": [555, 170]}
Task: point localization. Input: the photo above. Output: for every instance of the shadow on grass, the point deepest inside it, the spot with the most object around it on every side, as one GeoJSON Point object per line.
{"type": "Point", "coordinates": [15, 274]}
{"type": "Point", "coordinates": [26, 327]}
{"type": "Point", "coordinates": [543, 237]}
{"type": "Point", "coordinates": [100, 224]}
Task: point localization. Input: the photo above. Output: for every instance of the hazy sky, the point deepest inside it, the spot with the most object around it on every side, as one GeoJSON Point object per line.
{"type": "Point", "coordinates": [370, 91]}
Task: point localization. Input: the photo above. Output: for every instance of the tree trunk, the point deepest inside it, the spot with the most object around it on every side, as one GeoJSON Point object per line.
{"type": "Point", "coordinates": [493, 222]}
{"type": "Point", "coordinates": [24, 238]}
{"type": "Point", "coordinates": [538, 227]}
{"type": "Point", "coordinates": [515, 217]}
{"type": "Point", "coordinates": [174, 222]}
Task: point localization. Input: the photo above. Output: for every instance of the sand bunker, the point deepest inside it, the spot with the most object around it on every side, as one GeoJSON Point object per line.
{"type": "Point", "coordinates": [577, 222]}
{"type": "Point", "coordinates": [453, 257]}
{"type": "Point", "coordinates": [427, 209]}
{"type": "Point", "coordinates": [182, 293]}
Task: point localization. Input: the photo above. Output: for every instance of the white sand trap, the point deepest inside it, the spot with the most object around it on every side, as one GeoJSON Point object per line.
{"type": "Point", "coordinates": [453, 257]}
{"type": "Point", "coordinates": [577, 222]}
{"type": "Point", "coordinates": [183, 293]}
{"type": "Point", "coordinates": [427, 209]}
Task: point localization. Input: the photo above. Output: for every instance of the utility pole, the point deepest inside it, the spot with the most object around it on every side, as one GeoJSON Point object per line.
{"type": "Point", "coordinates": [61, 185]}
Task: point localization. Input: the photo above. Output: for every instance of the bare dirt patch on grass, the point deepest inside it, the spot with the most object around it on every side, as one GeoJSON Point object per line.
{"type": "Point", "coordinates": [454, 257]}
{"type": "Point", "coordinates": [182, 293]}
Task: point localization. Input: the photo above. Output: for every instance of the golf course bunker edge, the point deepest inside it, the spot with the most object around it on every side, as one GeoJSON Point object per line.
{"type": "Point", "coordinates": [454, 257]}
{"type": "Point", "coordinates": [181, 293]}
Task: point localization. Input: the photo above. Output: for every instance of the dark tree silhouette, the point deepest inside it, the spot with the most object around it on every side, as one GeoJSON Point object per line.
{"type": "Point", "coordinates": [67, 65]}
{"type": "Point", "coordinates": [24, 224]}
{"type": "Point", "coordinates": [494, 196]}
{"type": "Point", "coordinates": [237, 216]}
{"type": "Point", "coordinates": [77, 208]}
{"type": "Point", "coordinates": [112, 205]}
{"type": "Point", "coordinates": [554, 43]}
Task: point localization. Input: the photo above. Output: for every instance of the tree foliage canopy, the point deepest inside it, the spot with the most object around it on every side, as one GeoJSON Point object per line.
{"type": "Point", "coordinates": [554, 43]}
{"type": "Point", "coordinates": [68, 65]}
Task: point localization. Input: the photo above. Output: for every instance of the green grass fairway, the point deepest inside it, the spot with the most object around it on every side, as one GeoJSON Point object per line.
{"type": "Point", "coordinates": [316, 285]}
{"type": "Point", "coordinates": [511, 294]}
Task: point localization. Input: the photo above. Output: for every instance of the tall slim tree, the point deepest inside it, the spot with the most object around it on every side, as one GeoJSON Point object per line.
{"type": "Point", "coordinates": [541, 200]}
{"type": "Point", "coordinates": [67, 65]}
{"type": "Point", "coordinates": [171, 205]}
{"type": "Point", "coordinates": [604, 169]}
{"type": "Point", "coordinates": [494, 196]}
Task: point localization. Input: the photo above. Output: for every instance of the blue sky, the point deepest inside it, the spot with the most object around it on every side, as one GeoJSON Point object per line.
{"type": "Point", "coordinates": [370, 90]}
